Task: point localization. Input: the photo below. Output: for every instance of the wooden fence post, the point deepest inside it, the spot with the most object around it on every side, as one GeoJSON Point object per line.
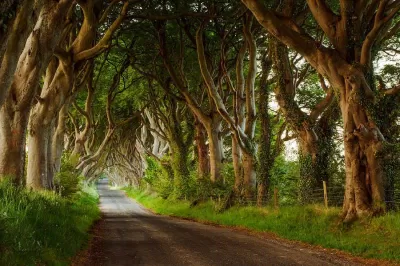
{"type": "Point", "coordinates": [325, 194]}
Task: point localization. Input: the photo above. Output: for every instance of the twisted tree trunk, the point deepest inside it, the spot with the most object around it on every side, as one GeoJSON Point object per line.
{"type": "Point", "coordinates": [54, 95]}
{"type": "Point", "coordinates": [353, 34]}
{"type": "Point", "coordinates": [304, 125]}
{"type": "Point", "coordinates": [32, 63]}
{"type": "Point", "coordinates": [15, 38]}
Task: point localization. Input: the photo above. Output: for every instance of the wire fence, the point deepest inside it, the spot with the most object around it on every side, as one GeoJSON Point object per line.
{"type": "Point", "coordinates": [331, 196]}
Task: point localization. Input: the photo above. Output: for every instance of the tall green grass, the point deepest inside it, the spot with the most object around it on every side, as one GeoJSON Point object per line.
{"type": "Point", "coordinates": [374, 238]}
{"type": "Point", "coordinates": [39, 228]}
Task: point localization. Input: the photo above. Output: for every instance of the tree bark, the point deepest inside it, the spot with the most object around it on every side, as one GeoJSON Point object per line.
{"type": "Point", "coordinates": [309, 175]}
{"type": "Point", "coordinates": [12, 143]}
{"type": "Point", "coordinates": [179, 163]}
{"type": "Point", "coordinates": [58, 139]}
{"type": "Point", "coordinates": [244, 137]}
{"type": "Point", "coordinates": [37, 168]}
{"type": "Point", "coordinates": [50, 166]}
{"type": "Point", "coordinates": [249, 176]}
{"type": "Point", "coordinates": [81, 146]}
{"type": "Point", "coordinates": [237, 166]}
{"type": "Point", "coordinates": [202, 150]}
{"type": "Point", "coordinates": [364, 147]}
{"type": "Point", "coordinates": [266, 153]}
{"type": "Point", "coordinates": [216, 151]}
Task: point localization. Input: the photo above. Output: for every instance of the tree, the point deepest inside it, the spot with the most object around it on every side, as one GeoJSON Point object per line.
{"type": "Point", "coordinates": [71, 62]}
{"type": "Point", "coordinates": [305, 125]}
{"type": "Point", "coordinates": [353, 35]}
{"type": "Point", "coordinates": [17, 22]}
{"type": "Point", "coordinates": [34, 59]}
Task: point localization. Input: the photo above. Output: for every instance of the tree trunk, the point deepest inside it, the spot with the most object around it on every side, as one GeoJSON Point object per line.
{"type": "Point", "coordinates": [12, 44]}
{"type": "Point", "coordinates": [41, 118]}
{"type": "Point", "coordinates": [37, 158]}
{"type": "Point", "coordinates": [309, 175]}
{"type": "Point", "coordinates": [237, 166]}
{"type": "Point", "coordinates": [249, 176]}
{"type": "Point", "coordinates": [364, 151]}
{"type": "Point", "coordinates": [55, 94]}
{"type": "Point", "coordinates": [58, 139]}
{"type": "Point", "coordinates": [266, 152]}
{"type": "Point", "coordinates": [12, 143]}
{"type": "Point", "coordinates": [202, 150]}
{"type": "Point", "coordinates": [49, 161]}
{"type": "Point", "coordinates": [79, 145]}
{"type": "Point", "coordinates": [262, 193]}
{"type": "Point", "coordinates": [325, 129]}
{"type": "Point", "coordinates": [216, 153]}
{"type": "Point", "coordinates": [300, 122]}
{"type": "Point", "coordinates": [179, 165]}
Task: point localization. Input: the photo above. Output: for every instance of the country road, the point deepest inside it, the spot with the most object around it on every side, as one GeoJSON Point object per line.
{"type": "Point", "coordinates": [130, 235]}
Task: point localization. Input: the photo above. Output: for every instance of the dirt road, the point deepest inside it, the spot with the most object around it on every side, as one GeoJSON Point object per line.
{"type": "Point", "coordinates": [130, 235]}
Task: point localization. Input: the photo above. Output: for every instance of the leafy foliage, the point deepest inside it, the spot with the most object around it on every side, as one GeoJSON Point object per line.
{"type": "Point", "coordinates": [68, 179]}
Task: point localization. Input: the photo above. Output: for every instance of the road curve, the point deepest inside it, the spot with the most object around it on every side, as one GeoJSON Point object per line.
{"type": "Point", "coordinates": [130, 235]}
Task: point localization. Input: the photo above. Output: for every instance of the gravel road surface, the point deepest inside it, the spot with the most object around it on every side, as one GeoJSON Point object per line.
{"type": "Point", "coordinates": [128, 234]}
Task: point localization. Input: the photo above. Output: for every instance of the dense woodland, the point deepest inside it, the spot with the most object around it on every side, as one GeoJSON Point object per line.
{"type": "Point", "coordinates": [231, 100]}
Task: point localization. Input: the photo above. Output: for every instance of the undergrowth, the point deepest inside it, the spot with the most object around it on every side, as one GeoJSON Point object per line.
{"type": "Point", "coordinates": [43, 228]}
{"type": "Point", "coordinates": [374, 238]}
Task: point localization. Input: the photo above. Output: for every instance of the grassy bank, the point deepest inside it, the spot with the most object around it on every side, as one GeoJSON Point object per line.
{"type": "Point", "coordinates": [376, 238]}
{"type": "Point", "coordinates": [38, 228]}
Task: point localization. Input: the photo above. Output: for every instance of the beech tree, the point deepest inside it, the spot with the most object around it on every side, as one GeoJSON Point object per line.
{"type": "Point", "coordinates": [18, 18]}
{"type": "Point", "coordinates": [244, 137]}
{"type": "Point", "coordinates": [204, 110]}
{"type": "Point", "coordinates": [178, 131]}
{"type": "Point", "coordinates": [179, 60]}
{"type": "Point", "coordinates": [353, 34]}
{"type": "Point", "coordinates": [72, 60]}
{"type": "Point", "coordinates": [34, 59]}
{"type": "Point", "coordinates": [305, 125]}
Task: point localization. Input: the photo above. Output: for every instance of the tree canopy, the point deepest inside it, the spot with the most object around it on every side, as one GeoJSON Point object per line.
{"type": "Point", "coordinates": [197, 99]}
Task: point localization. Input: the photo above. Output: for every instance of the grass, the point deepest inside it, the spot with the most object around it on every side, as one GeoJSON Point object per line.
{"type": "Point", "coordinates": [42, 228]}
{"type": "Point", "coordinates": [376, 238]}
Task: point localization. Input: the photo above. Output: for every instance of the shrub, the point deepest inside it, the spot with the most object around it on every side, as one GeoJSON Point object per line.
{"type": "Point", "coordinates": [158, 178]}
{"type": "Point", "coordinates": [67, 181]}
